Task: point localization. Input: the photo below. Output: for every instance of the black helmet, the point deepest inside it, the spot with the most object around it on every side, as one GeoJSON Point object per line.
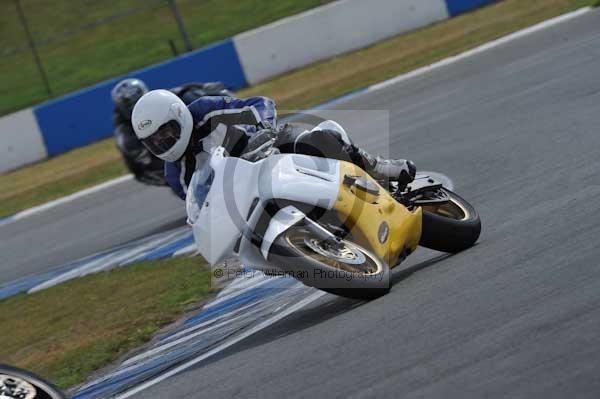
{"type": "Point", "coordinates": [126, 93]}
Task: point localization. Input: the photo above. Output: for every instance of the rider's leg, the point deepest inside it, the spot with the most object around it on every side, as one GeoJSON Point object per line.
{"type": "Point", "coordinates": [330, 140]}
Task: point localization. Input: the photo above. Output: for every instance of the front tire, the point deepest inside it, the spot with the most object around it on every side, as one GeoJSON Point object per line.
{"type": "Point", "coordinates": [451, 227]}
{"type": "Point", "coordinates": [351, 271]}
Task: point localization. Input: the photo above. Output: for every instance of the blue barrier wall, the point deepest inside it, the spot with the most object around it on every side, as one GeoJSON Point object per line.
{"type": "Point", "coordinates": [86, 116]}
{"type": "Point", "coordinates": [456, 7]}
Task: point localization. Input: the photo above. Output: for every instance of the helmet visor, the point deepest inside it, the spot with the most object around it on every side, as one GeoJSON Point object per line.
{"type": "Point", "coordinates": [164, 139]}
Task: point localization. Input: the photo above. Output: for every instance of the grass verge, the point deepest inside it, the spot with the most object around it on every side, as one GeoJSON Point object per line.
{"type": "Point", "coordinates": [303, 88]}
{"type": "Point", "coordinates": [83, 42]}
{"type": "Point", "coordinates": [66, 332]}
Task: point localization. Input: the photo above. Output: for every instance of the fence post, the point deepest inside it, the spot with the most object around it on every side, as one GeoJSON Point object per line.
{"type": "Point", "coordinates": [31, 43]}
{"type": "Point", "coordinates": [184, 34]}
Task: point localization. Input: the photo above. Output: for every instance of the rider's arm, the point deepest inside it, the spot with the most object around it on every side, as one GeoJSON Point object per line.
{"type": "Point", "coordinates": [173, 178]}
{"type": "Point", "coordinates": [209, 112]}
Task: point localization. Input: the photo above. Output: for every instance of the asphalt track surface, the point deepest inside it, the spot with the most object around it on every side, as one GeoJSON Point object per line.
{"type": "Point", "coordinates": [85, 226]}
{"type": "Point", "coordinates": [518, 315]}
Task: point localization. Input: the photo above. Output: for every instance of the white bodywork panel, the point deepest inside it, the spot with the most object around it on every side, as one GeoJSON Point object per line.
{"type": "Point", "coordinates": [219, 219]}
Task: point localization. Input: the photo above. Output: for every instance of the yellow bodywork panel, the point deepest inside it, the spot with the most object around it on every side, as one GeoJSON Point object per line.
{"type": "Point", "coordinates": [365, 214]}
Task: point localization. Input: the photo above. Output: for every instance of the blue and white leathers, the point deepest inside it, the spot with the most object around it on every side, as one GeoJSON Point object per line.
{"type": "Point", "coordinates": [212, 116]}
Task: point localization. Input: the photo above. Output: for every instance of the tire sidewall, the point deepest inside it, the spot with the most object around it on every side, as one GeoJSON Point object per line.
{"type": "Point", "coordinates": [449, 235]}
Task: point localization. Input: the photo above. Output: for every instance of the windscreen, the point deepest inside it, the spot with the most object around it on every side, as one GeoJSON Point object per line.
{"type": "Point", "coordinates": [198, 189]}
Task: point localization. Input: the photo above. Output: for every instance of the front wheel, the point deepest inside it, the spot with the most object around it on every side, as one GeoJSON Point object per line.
{"type": "Point", "coordinates": [451, 226]}
{"type": "Point", "coordinates": [344, 269]}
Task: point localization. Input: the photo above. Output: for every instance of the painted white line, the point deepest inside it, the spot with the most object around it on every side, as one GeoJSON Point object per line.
{"type": "Point", "coordinates": [64, 200]}
{"type": "Point", "coordinates": [480, 49]}
{"type": "Point", "coordinates": [313, 297]}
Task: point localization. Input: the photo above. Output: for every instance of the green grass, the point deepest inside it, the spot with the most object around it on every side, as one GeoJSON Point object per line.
{"type": "Point", "coordinates": [87, 166]}
{"type": "Point", "coordinates": [78, 59]}
{"type": "Point", "coordinates": [67, 332]}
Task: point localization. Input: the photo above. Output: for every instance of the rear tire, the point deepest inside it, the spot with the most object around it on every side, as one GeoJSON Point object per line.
{"type": "Point", "coordinates": [450, 228]}
{"type": "Point", "coordinates": [291, 253]}
{"type": "Point", "coordinates": [42, 389]}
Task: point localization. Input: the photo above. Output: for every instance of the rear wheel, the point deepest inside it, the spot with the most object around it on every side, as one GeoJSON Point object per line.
{"type": "Point", "coordinates": [344, 269]}
{"type": "Point", "coordinates": [451, 226]}
{"type": "Point", "coordinates": [19, 383]}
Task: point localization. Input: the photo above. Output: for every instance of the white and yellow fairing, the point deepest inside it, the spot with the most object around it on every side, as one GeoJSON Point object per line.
{"type": "Point", "coordinates": [224, 220]}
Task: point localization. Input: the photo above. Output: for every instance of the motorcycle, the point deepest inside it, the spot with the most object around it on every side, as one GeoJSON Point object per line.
{"type": "Point", "coordinates": [146, 167]}
{"type": "Point", "coordinates": [322, 221]}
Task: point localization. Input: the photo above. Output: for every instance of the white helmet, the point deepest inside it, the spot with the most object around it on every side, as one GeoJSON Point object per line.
{"type": "Point", "coordinates": [163, 123]}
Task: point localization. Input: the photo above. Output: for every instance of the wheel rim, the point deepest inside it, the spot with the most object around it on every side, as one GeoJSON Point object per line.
{"type": "Point", "coordinates": [344, 254]}
{"type": "Point", "coordinates": [451, 209]}
{"type": "Point", "coordinates": [12, 384]}
{"type": "Point", "coordinates": [349, 257]}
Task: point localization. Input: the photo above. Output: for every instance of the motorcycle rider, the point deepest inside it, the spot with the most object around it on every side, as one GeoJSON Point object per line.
{"type": "Point", "coordinates": [146, 167]}
{"type": "Point", "coordinates": [184, 136]}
